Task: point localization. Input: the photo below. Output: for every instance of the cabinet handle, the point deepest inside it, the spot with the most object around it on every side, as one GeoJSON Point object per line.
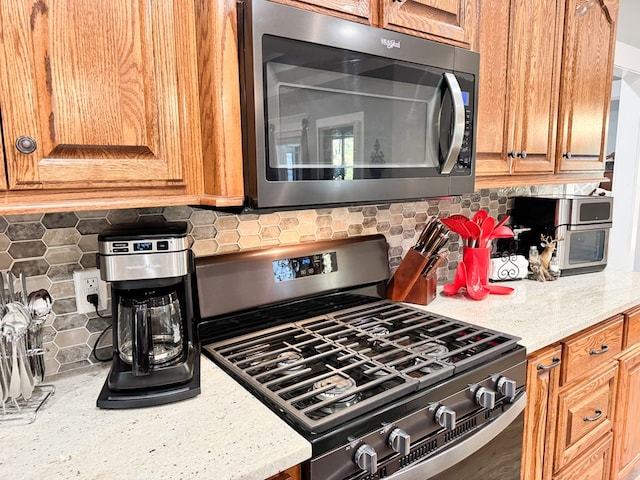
{"type": "Point", "coordinates": [598, 414]}
{"type": "Point", "coordinates": [26, 144]}
{"type": "Point", "coordinates": [554, 364]}
{"type": "Point", "coordinates": [523, 154]}
{"type": "Point", "coordinates": [567, 155]}
{"type": "Point", "coordinates": [603, 349]}
{"type": "Point", "coordinates": [512, 154]}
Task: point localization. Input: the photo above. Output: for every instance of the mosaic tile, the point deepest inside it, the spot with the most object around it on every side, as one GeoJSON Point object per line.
{"type": "Point", "coordinates": [28, 249]}
{"type": "Point", "coordinates": [69, 322]}
{"type": "Point", "coordinates": [59, 220]}
{"type": "Point", "coordinates": [64, 305]}
{"type": "Point", "coordinates": [71, 340]}
{"type": "Point", "coordinates": [61, 236]}
{"type": "Point", "coordinates": [25, 231]}
{"type": "Point", "coordinates": [62, 272]}
{"type": "Point", "coordinates": [123, 216]}
{"type": "Point", "coordinates": [63, 255]}
{"type": "Point", "coordinates": [88, 260]}
{"type": "Point", "coordinates": [173, 214]}
{"type": "Point", "coordinates": [93, 225]}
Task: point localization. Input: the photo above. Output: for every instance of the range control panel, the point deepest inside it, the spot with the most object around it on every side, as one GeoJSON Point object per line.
{"type": "Point", "coordinates": [298, 267]}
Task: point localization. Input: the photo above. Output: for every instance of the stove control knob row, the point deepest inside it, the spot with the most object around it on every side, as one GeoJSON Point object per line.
{"type": "Point", "coordinates": [507, 387]}
{"type": "Point", "coordinates": [367, 459]}
{"type": "Point", "coordinates": [485, 398]}
{"type": "Point", "coordinates": [400, 441]}
{"type": "Point", "coordinates": [446, 417]}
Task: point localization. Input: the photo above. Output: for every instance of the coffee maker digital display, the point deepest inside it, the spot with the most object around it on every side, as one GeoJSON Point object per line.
{"type": "Point", "coordinates": [156, 356]}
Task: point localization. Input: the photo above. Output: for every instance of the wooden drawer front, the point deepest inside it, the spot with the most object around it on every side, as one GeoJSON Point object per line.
{"type": "Point", "coordinates": [586, 352]}
{"type": "Point", "coordinates": [632, 327]}
{"type": "Point", "coordinates": [593, 465]}
{"type": "Point", "coordinates": [585, 414]}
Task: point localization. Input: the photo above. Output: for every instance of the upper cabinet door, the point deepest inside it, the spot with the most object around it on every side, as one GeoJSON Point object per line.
{"type": "Point", "coordinates": [448, 21]}
{"type": "Point", "coordinates": [104, 93]}
{"type": "Point", "coordinates": [519, 43]}
{"type": "Point", "coordinates": [364, 11]}
{"type": "Point", "coordinates": [587, 65]}
{"type": "Point", "coordinates": [3, 176]}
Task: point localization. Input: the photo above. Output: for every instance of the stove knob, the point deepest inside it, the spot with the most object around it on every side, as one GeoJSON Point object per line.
{"type": "Point", "coordinates": [400, 441]}
{"type": "Point", "coordinates": [507, 387]}
{"type": "Point", "coordinates": [485, 398]}
{"type": "Point", "coordinates": [446, 417]}
{"type": "Point", "coordinates": [367, 459]}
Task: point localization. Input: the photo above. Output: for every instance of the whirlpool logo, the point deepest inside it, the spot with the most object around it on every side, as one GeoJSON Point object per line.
{"type": "Point", "coordinates": [389, 43]}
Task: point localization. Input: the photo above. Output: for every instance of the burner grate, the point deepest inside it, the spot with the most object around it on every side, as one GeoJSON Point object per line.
{"type": "Point", "coordinates": [381, 350]}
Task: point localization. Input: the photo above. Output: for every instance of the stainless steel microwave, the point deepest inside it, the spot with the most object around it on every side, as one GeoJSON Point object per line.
{"type": "Point", "coordinates": [582, 222]}
{"type": "Point", "coordinates": [337, 112]}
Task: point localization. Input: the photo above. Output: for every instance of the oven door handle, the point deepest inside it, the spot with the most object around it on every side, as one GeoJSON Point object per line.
{"type": "Point", "coordinates": [452, 130]}
{"type": "Point", "coordinates": [432, 466]}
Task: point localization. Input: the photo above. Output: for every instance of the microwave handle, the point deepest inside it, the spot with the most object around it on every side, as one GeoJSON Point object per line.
{"type": "Point", "coordinates": [453, 149]}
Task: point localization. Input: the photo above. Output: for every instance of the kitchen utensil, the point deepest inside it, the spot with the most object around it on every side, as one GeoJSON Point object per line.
{"type": "Point", "coordinates": [474, 233]}
{"type": "Point", "coordinates": [459, 281]}
{"type": "Point", "coordinates": [39, 304]}
{"type": "Point", "coordinates": [485, 232]}
{"type": "Point", "coordinates": [16, 321]}
{"type": "Point", "coordinates": [11, 297]}
{"type": "Point", "coordinates": [23, 286]}
{"type": "Point", "coordinates": [480, 216]}
{"type": "Point", "coordinates": [499, 289]}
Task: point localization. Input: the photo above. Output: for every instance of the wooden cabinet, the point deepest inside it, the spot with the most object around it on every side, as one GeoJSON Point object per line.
{"type": "Point", "coordinates": [593, 464]}
{"type": "Point", "coordinates": [543, 381]}
{"type": "Point", "coordinates": [447, 21]}
{"type": "Point", "coordinates": [545, 84]}
{"type": "Point", "coordinates": [292, 473]}
{"type": "Point", "coordinates": [101, 105]}
{"type": "Point", "coordinates": [626, 445]}
{"type": "Point", "coordinates": [627, 440]}
{"type": "Point", "coordinates": [98, 103]}
{"type": "Point", "coordinates": [585, 415]}
{"type": "Point", "coordinates": [519, 43]}
{"type": "Point", "coordinates": [3, 183]}
{"type": "Point", "coordinates": [571, 411]}
{"type": "Point", "coordinates": [585, 89]}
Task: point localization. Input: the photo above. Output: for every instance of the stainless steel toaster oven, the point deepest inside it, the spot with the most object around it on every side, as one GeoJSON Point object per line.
{"type": "Point", "coordinates": [580, 222]}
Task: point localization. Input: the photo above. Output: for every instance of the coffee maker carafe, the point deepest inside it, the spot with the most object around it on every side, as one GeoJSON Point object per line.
{"type": "Point", "coordinates": [156, 355]}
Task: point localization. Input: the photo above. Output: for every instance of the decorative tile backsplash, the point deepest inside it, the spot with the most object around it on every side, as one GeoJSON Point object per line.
{"type": "Point", "coordinates": [49, 247]}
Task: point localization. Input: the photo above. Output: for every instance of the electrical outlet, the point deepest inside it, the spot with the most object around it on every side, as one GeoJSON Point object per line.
{"type": "Point", "coordinates": [88, 282]}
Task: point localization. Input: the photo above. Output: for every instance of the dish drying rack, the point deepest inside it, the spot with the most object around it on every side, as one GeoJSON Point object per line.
{"type": "Point", "coordinates": [22, 367]}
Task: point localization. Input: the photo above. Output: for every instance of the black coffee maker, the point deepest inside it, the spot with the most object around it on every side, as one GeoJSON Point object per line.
{"type": "Point", "coordinates": [156, 356]}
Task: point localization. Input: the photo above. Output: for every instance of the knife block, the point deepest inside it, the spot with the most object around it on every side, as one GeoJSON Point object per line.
{"type": "Point", "coordinates": [408, 284]}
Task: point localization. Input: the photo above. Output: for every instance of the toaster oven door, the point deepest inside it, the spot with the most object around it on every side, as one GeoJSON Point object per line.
{"type": "Point", "coordinates": [582, 249]}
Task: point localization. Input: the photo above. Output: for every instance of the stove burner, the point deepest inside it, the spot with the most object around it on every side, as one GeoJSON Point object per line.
{"type": "Point", "coordinates": [339, 385]}
{"type": "Point", "coordinates": [378, 331]}
{"type": "Point", "coordinates": [287, 358]}
{"type": "Point", "coordinates": [432, 349]}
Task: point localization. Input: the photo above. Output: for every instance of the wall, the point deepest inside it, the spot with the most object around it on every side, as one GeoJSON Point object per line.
{"type": "Point", "coordinates": [48, 248]}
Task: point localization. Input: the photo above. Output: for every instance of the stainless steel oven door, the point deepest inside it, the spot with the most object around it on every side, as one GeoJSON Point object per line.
{"type": "Point", "coordinates": [583, 247]}
{"type": "Point", "coordinates": [493, 453]}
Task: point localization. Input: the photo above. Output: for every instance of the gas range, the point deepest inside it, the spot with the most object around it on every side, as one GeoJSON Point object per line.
{"type": "Point", "coordinates": [377, 387]}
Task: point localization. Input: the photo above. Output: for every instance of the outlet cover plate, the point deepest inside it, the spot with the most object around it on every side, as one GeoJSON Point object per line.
{"type": "Point", "coordinates": [86, 282]}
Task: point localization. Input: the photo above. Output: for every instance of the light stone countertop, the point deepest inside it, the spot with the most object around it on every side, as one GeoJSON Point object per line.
{"type": "Point", "coordinates": [542, 313]}
{"type": "Point", "coordinates": [225, 433]}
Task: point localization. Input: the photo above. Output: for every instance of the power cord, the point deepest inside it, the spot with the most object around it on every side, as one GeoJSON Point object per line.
{"type": "Point", "coordinates": [93, 300]}
{"type": "Point", "coordinates": [94, 350]}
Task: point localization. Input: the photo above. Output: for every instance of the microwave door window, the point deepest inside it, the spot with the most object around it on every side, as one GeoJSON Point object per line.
{"type": "Point", "coordinates": [348, 116]}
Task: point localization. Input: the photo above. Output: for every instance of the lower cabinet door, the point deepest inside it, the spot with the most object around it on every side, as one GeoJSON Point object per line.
{"type": "Point", "coordinates": [626, 444]}
{"type": "Point", "coordinates": [593, 464]}
{"type": "Point", "coordinates": [585, 415]}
